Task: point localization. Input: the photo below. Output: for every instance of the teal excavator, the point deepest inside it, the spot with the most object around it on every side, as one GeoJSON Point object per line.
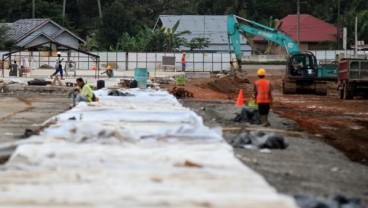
{"type": "Point", "coordinates": [303, 75]}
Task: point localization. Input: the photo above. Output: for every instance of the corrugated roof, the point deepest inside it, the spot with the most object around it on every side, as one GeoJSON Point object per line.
{"type": "Point", "coordinates": [213, 27]}
{"type": "Point", "coordinates": [311, 29]}
{"type": "Point", "coordinates": [21, 28]}
{"type": "Point", "coordinates": [25, 27]}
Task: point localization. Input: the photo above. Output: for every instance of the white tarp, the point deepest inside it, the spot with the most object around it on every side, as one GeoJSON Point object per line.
{"type": "Point", "coordinates": [144, 150]}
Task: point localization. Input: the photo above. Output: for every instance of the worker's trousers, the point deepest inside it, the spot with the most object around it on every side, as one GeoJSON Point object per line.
{"type": "Point", "coordinates": [79, 98]}
{"type": "Point", "coordinates": [59, 69]}
{"type": "Point", "coordinates": [264, 109]}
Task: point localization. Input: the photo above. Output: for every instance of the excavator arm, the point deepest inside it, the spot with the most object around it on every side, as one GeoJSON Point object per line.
{"type": "Point", "coordinates": [234, 28]}
{"type": "Point", "coordinates": [302, 70]}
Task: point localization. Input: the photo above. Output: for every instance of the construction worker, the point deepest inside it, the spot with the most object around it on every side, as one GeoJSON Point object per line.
{"type": "Point", "coordinates": [58, 66]}
{"type": "Point", "coordinates": [183, 61]}
{"type": "Point", "coordinates": [84, 93]}
{"type": "Point", "coordinates": [263, 96]}
{"type": "Point", "coordinates": [109, 72]}
{"type": "Point", "coordinates": [14, 68]}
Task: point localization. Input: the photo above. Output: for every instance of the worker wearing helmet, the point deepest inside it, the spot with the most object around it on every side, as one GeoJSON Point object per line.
{"type": "Point", "coordinates": [263, 96]}
{"type": "Point", "coordinates": [58, 66]}
{"type": "Point", "coordinates": [109, 72]}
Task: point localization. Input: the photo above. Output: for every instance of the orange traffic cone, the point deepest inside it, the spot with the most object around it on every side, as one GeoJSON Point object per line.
{"type": "Point", "coordinates": [240, 101]}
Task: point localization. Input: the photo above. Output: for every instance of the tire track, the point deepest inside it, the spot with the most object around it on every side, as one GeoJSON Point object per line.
{"type": "Point", "coordinates": [29, 107]}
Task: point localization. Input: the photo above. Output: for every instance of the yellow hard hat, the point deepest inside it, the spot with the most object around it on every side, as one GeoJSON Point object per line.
{"type": "Point", "coordinates": [108, 67]}
{"type": "Point", "coordinates": [261, 72]}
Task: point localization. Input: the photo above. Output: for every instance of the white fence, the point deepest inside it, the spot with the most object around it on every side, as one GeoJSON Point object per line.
{"type": "Point", "coordinates": [322, 56]}
{"type": "Point", "coordinates": [211, 62]}
{"type": "Point", "coordinates": [128, 61]}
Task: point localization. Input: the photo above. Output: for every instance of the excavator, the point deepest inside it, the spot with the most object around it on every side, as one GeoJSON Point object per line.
{"type": "Point", "coordinates": [303, 74]}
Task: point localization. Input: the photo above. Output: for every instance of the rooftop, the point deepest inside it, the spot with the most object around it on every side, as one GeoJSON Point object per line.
{"type": "Point", "coordinates": [311, 29]}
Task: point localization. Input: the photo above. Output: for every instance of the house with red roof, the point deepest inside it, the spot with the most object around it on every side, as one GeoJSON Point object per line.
{"type": "Point", "coordinates": [315, 34]}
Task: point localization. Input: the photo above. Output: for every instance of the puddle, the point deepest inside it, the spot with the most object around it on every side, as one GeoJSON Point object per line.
{"type": "Point", "coordinates": [356, 127]}
{"type": "Point", "coordinates": [327, 127]}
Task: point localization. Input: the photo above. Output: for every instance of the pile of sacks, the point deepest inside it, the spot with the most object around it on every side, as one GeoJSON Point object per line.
{"type": "Point", "coordinates": [336, 202]}
{"type": "Point", "coordinates": [248, 114]}
{"type": "Point", "coordinates": [260, 139]}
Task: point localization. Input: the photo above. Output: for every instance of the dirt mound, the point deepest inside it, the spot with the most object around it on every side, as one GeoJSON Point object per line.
{"type": "Point", "coordinates": [228, 84]}
{"type": "Point", "coordinates": [45, 66]}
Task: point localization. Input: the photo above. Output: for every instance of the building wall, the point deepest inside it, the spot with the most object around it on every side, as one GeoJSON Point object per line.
{"type": "Point", "coordinates": [67, 39]}
{"type": "Point", "coordinates": [50, 30]}
{"type": "Point", "coordinates": [39, 40]}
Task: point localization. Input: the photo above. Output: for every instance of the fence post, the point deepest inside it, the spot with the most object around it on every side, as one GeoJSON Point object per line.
{"type": "Point", "coordinates": [126, 60]}
{"type": "Point", "coordinates": [136, 60]}
{"type": "Point", "coordinates": [193, 61]}
{"type": "Point", "coordinates": [202, 61]}
{"type": "Point", "coordinates": [212, 63]}
{"type": "Point", "coordinates": [221, 62]}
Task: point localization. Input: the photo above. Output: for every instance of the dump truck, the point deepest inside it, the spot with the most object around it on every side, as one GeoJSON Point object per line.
{"type": "Point", "coordinates": [353, 78]}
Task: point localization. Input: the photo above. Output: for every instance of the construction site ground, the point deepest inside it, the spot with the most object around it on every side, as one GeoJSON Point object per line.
{"type": "Point", "coordinates": [330, 159]}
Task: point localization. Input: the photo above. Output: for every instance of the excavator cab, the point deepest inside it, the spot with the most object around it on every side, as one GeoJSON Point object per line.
{"type": "Point", "coordinates": [302, 75]}
{"type": "Point", "coordinates": [302, 65]}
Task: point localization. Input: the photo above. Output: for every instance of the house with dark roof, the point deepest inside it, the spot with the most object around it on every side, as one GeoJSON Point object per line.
{"type": "Point", "coordinates": [315, 34]}
{"type": "Point", "coordinates": [26, 33]}
{"type": "Point", "coordinates": [213, 27]}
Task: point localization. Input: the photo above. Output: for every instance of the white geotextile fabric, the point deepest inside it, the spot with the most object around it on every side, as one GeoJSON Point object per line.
{"type": "Point", "coordinates": [154, 154]}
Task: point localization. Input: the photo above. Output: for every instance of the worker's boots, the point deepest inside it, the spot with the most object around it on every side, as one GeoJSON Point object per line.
{"type": "Point", "coordinates": [264, 121]}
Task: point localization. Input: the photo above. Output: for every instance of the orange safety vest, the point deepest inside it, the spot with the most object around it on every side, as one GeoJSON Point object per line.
{"type": "Point", "coordinates": [263, 91]}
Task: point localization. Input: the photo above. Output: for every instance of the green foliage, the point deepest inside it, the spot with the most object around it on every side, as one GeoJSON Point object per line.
{"type": "Point", "coordinates": [152, 40]}
{"type": "Point", "coordinates": [198, 43]}
{"type": "Point", "coordinates": [115, 21]}
{"type": "Point", "coordinates": [129, 44]}
{"type": "Point", "coordinates": [134, 17]}
{"type": "Point", "coordinates": [4, 43]}
{"type": "Point", "coordinates": [91, 43]}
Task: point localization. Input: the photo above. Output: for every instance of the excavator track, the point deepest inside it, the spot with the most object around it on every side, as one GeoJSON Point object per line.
{"type": "Point", "coordinates": [291, 86]}
{"type": "Point", "coordinates": [320, 88]}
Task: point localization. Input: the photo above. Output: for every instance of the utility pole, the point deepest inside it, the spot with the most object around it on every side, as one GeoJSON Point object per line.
{"type": "Point", "coordinates": [338, 25]}
{"type": "Point", "coordinates": [33, 9]}
{"type": "Point", "coordinates": [64, 5]}
{"type": "Point", "coordinates": [99, 10]}
{"type": "Point", "coordinates": [298, 22]}
{"type": "Point", "coordinates": [356, 37]}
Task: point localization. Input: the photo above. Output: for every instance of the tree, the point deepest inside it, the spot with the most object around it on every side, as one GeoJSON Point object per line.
{"type": "Point", "coordinates": [5, 43]}
{"type": "Point", "coordinates": [198, 43]}
{"type": "Point", "coordinates": [128, 43]}
{"type": "Point", "coordinates": [120, 16]}
{"type": "Point", "coordinates": [116, 20]}
{"type": "Point", "coordinates": [271, 22]}
{"type": "Point", "coordinates": [152, 40]}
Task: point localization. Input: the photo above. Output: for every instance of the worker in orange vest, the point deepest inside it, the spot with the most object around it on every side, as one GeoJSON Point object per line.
{"type": "Point", "coordinates": [183, 61]}
{"type": "Point", "coordinates": [263, 96]}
